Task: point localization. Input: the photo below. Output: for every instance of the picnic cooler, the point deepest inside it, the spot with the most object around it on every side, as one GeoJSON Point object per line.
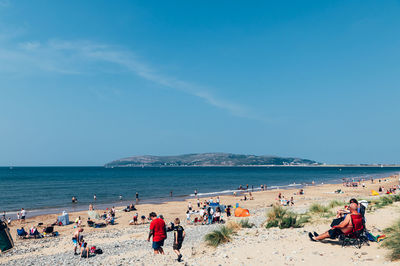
{"type": "Point", "coordinates": [6, 241]}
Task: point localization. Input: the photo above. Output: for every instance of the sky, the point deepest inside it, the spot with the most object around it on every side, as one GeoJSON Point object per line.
{"type": "Point", "coordinates": [88, 82]}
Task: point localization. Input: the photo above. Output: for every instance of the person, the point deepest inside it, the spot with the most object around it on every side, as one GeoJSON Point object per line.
{"type": "Point", "coordinates": [195, 192]}
{"type": "Point", "coordinates": [91, 207]}
{"type": "Point", "coordinates": [74, 199]}
{"type": "Point", "coordinates": [137, 197]}
{"type": "Point", "coordinates": [170, 193]}
{"type": "Point", "coordinates": [78, 221]}
{"type": "Point", "coordinates": [135, 219]}
{"type": "Point", "coordinates": [345, 227]}
{"type": "Point", "coordinates": [218, 200]}
{"type": "Point", "coordinates": [76, 238]}
{"type": "Point", "coordinates": [4, 216]}
{"type": "Point", "coordinates": [179, 236]}
{"type": "Point", "coordinates": [217, 214]}
{"type": "Point", "coordinates": [9, 221]}
{"type": "Point", "coordinates": [190, 206]}
{"type": "Point", "coordinates": [291, 201]}
{"type": "Point", "coordinates": [188, 213]}
{"type": "Point", "coordinates": [23, 215]}
{"type": "Point", "coordinates": [143, 219]}
{"type": "Point", "coordinates": [262, 187]}
{"type": "Point", "coordinates": [158, 232]}
{"type": "Point", "coordinates": [210, 212]}
{"type": "Point", "coordinates": [120, 197]}
{"type": "Point", "coordinates": [228, 211]}
{"type": "Point", "coordinates": [84, 249]}
{"type": "Point", "coordinates": [198, 203]}
{"type": "Point", "coordinates": [94, 197]}
{"type": "Point", "coordinates": [113, 211]}
{"type": "Point", "coordinates": [19, 217]}
{"type": "Point", "coordinates": [279, 195]}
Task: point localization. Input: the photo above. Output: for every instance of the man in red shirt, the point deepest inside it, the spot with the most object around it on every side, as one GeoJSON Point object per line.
{"type": "Point", "coordinates": [158, 231]}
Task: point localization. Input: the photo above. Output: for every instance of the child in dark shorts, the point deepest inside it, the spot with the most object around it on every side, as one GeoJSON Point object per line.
{"type": "Point", "coordinates": [179, 236]}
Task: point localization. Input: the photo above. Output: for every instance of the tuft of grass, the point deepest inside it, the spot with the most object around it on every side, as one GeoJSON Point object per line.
{"type": "Point", "coordinates": [318, 208]}
{"type": "Point", "coordinates": [280, 217]}
{"type": "Point", "coordinates": [396, 198]}
{"type": "Point", "coordinates": [234, 226]}
{"type": "Point", "coordinates": [245, 223]}
{"type": "Point", "coordinates": [392, 242]}
{"type": "Point", "coordinates": [335, 203]}
{"type": "Point", "coordinates": [219, 236]}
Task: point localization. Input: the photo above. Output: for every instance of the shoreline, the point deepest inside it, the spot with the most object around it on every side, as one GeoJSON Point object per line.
{"type": "Point", "coordinates": [72, 208]}
{"type": "Point", "coordinates": [123, 243]}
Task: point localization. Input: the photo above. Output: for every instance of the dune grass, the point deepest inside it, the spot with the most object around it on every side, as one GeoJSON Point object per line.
{"type": "Point", "coordinates": [245, 223]}
{"type": "Point", "coordinates": [318, 208]}
{"type": "Point", "coordinates": [392, 242]}
{"type": "Point", "coordinates": [219, 236]}
{"type": "Point", "coordinates": [335, 203]}
{"type": "Point", "coordinates": [282, 218]}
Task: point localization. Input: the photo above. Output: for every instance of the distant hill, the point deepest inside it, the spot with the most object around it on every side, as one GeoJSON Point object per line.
{"type": "Point", "coordinates": [207, 159]}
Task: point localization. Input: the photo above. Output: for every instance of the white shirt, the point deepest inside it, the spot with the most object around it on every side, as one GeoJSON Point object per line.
{"type": "Point", "coordinates": [23, 213]}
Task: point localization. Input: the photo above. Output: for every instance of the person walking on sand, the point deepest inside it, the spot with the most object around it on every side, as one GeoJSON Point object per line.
{"type": "Point", "coordinates": [198, 203]}
{"type": "Point", "coordinates": [179, 236]}
{"type": "Point", "coordinates": [158, 232]}
{"type": "Point", "coordinates": [76, 238]}
{"type": "Point", "coordinates": [23, 215]}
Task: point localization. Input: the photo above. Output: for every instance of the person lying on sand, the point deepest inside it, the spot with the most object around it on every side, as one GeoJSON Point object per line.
{"type": "Point", "coordinates": [345, 227]}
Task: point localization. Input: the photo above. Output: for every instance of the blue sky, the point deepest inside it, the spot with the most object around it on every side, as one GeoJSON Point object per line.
{"type": "Point", "coordinates": [86, 82]}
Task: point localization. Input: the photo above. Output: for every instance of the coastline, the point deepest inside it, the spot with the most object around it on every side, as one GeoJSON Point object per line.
{"type": "Point", "coordinates": [129, 241]}
{"type": "Point", "coordinates": [77, 208]}
{"type": "Point", "coordinates": [125, 243]}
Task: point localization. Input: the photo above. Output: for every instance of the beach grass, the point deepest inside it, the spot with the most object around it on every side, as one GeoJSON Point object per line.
{"type": "Point", "coordinates": [392, 242]}
{"type": "Point", "coordinates": [245, 223]}
{"type": "Point", "coordinates": [219, 236]}
{"type": "Point", "coordinates": [319, 208]}
{"type": "Point", "coordinates": [282, 218]}
{"type": "Point", "coordinates": [335, 203]}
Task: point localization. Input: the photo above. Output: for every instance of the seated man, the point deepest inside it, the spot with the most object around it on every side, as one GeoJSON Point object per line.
{"type": "Point", "coordinates": [345, 227]}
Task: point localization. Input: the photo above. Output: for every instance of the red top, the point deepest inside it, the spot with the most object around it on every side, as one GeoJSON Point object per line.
{"type": "Point", "coordinates": [158, 225]}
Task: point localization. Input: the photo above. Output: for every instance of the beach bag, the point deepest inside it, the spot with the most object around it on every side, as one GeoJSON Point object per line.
{"type": "Point", "coordinates": [98, 251]}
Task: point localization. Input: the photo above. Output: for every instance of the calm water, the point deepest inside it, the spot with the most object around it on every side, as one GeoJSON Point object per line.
{"type": "Point", "coordinates": [41, 188]}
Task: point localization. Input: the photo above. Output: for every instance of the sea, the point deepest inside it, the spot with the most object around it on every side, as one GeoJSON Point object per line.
{"type": "Point", "coordinates": [44, 190]}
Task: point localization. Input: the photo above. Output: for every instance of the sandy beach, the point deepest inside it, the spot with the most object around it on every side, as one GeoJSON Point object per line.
{"type": "Point", "coordinates": [126, 244]}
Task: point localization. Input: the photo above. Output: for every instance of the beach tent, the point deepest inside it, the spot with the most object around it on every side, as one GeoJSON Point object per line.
{"type": "Point", "coordinates": [6, 241]}
{"type": "Point", "coordinates": [239, 212]}
{"type": "Point", "coordinates": [63, 219]}
{"type": "Point", "coordinates": [374, 193]}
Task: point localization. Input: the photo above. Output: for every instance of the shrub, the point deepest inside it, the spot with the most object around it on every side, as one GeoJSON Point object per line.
{"type": "Point", "coordinates": [219, 236]}
{"type": "Point", "coordinates": [392, 242]}
{"type": "Point", "coordinates": [245, 223]}
{"type": "Point", "coordinates": [318, 208]}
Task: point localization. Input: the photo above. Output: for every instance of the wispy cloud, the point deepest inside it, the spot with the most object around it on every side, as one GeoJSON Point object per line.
{"type": "Point", "coordinates": [70, 57]}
